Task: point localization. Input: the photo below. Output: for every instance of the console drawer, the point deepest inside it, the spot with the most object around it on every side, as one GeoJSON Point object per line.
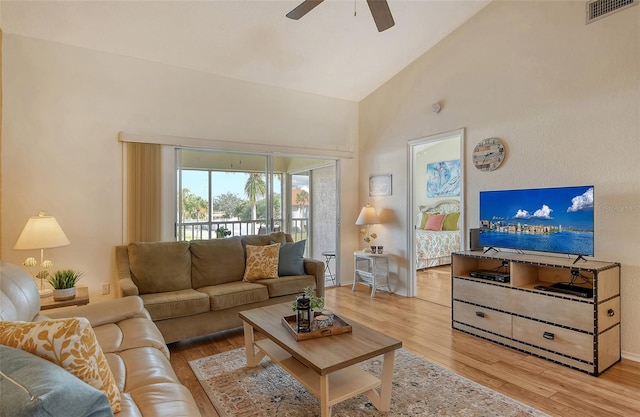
{"type": "Point", "coordinates": [483, 318]}
{"type": "Point", "coordinates": [482, 293]}
{"type": "Point", "coordinates": [575, 314]}
{"type": "Point", "coordinates": [557, 339]}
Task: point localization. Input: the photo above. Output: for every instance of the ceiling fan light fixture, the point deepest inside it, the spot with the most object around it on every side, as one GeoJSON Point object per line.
{"type": "Point", "coordinates": [303, 8]}
{"type": "Point", "coordinates": [381, 14]}
{"type": "Point", "coordinates": [379, 10]}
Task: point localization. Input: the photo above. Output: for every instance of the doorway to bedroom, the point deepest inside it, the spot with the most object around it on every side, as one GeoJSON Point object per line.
{"type": "Point", "coordinates": [436, 193]}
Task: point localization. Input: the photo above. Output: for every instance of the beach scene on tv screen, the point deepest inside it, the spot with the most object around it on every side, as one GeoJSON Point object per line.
{"type": "Point", "coordinates": [558, 220]}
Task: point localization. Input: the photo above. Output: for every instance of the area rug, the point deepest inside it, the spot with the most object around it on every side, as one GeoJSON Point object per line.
{"type": "Point", "coordinates": [420, 388]}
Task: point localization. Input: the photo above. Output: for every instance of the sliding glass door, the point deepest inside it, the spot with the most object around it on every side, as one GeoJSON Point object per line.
{"type": "Point", "coordinates": [221, 194]}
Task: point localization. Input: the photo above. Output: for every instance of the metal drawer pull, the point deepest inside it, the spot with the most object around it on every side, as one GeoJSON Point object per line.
{"type": "Point", "coordinates": [611, 312]}
{"type": "Point", "coordinates": [479, 314]}
{"type": "Point", "coordinates": [548, 335]}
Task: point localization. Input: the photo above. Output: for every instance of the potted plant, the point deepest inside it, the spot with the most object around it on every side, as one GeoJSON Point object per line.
{"type": "Point", "coordinates": [222, 232]}
{"type": "Point", "coordinates": [317, 303]}
{"type": "Point", "coordinates": [63, 283]}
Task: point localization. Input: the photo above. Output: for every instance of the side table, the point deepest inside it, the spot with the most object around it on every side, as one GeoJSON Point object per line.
{"type": "Point", "coordinates": [372, 269]}
{"type": "Point", "coordinates": [81, 298]}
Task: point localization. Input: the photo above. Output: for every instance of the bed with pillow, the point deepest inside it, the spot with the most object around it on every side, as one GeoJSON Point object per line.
{"type": "Point", "coordinates": [437, 233]}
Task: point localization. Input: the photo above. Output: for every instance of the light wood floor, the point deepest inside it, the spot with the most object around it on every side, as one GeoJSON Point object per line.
{"type": "Point", "coordinates": [425, 329]}
{"type": "Point", "coordinates": [434, 284]}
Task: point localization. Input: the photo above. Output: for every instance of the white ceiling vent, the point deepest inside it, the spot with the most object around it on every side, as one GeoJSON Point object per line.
{"type": "Point", "coordinates": [597, 9]}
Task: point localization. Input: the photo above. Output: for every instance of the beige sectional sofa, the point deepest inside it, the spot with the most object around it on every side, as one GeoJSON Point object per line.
{"type": "Point", "coordinates": [195, 288]}
{"type": "Point", "coordinates": [129, 343]}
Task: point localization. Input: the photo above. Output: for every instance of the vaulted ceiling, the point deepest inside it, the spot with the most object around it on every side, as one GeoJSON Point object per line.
{"type": "Point", "coordinates": [335, 50]}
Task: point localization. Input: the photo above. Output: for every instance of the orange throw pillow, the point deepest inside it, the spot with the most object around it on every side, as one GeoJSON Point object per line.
{"type": "Point", "coordinates": [262, 262]}
{"type": "Point", "coordinates": [69, 343]}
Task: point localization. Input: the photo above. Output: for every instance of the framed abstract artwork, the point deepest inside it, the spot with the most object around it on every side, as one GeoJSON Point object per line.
{"type": "Point", "coordinates": [379, 185]}
{"type": "Point", "coordinates": [443, 178]}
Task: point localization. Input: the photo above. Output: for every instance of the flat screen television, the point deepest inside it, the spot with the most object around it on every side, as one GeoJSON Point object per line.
{"type": "Point", "coordinates": [557, 220]}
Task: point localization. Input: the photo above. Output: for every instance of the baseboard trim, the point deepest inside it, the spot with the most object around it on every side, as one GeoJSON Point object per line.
{"type": "Point", "coordinates": [631, 356]}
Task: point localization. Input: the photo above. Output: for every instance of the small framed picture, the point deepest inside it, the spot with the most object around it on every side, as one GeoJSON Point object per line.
{"type": "Point", "coordinates": [379, 185]}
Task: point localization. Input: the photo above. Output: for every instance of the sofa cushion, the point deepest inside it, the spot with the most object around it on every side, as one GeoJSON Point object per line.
{"type": "Point", "coordinates": [162, 399]}
{"type": "Point", "coordinates": [263, 240]}
{"type": "Point", "coordinates": [216, 261]}
{"type": "Point", "coordinates": [149, 384]}
{"type": "Point", "coordinates": [135, 368]}
{"type": "Point", "coordinates": [128, 334]}
{"type": "Point", "coordinates": [70, 343]}
{"type": "Point", "coordinates": [55, 391]}
{"type": "Point", "coordinates": [175, 304]}
{"type": "Point", "coordinates": [19, 298]}
{"type": "Point", "coordinates": [160, 266]}
{"type": "Point", "coordinates": [291, 259]}
{"type": "Point", "coordinates": [233, 294]}
{"type": "Point", "coordinates": [288, 285]}
{"type": "Point", "coordinates": [261, 262]}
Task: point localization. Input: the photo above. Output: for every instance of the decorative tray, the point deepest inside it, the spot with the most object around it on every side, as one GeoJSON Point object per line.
{"type": "Point", "coordinates": [339, 326]}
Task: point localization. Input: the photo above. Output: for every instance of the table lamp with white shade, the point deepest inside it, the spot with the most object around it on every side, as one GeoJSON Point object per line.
{"type": "Point", "coordinates": [41, 232]}
{"type": "Point", "coordinates": [368, 216]}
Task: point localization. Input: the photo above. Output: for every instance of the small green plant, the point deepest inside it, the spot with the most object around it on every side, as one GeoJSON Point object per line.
{"type": "Point", "coordinates": [222, 232]}
{"type": "Point", "coordinates": [63, 279]}
{"type": "Point", "coordinates": [317, 303]}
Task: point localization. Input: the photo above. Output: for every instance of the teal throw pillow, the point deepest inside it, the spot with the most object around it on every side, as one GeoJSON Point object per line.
{"type": "Point", "coordinates": [34, 387]}
{"type": "Point", "coordinates": [291, 261]}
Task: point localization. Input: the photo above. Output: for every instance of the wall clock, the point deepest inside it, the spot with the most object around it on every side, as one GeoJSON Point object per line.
{"type": "Point", "coordinates": [488, 154]}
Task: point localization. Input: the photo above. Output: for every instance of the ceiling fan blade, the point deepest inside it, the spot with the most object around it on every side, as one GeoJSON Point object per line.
{"type": "Point", "coordinates": [303, 8]}
{"type": "Point", "coordinates": [381, 14]}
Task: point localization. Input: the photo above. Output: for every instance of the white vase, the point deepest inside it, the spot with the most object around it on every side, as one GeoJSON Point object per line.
{"type": "Point", "coordinates": [64, 294]}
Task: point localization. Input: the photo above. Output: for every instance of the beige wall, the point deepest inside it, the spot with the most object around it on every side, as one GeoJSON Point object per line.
{"type": "Point", "coordinates": [64, 107]}
{"type": "Point", "coordinates": [562, 95]}
{"type": "Point", "coordinates": [1, 37]}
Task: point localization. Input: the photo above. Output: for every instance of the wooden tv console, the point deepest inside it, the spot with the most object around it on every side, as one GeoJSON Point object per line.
{"type": "Point", "coordinates": [579, 332]}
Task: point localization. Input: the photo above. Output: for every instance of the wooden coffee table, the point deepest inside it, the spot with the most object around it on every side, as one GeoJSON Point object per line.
{"type": "Point", "coordinates": [326, 366]}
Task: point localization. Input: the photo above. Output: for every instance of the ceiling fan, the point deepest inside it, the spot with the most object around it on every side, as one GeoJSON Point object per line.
{"type": "Point", "coordinates": [379, 10]}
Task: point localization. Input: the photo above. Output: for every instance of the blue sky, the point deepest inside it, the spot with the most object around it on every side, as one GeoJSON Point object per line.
{"type": "Point", "coordinates": [222, 182]}
{"type": "Point", "coordinates": [566, 206]}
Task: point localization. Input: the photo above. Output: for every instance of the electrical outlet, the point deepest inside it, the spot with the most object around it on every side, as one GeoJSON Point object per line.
{"type": "Point", "coordinates": [106, 289]}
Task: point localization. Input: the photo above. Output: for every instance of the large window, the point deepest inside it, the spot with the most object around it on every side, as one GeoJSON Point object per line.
{"type": "Point", "coordinates": [222, 194]}
{"type": "Point", "coordinates": [218, 204]}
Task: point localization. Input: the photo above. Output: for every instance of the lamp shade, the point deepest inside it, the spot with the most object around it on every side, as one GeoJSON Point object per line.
{"type": "Point", "coordinates": [41, 232]}
{"type": "Point", "coordinates": [367, 216]}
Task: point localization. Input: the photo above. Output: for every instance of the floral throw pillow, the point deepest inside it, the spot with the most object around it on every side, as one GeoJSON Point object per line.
{"type": "Point", "coordinates": [69, 343]}
{"type": "Point", "coordinates": [262, 262]}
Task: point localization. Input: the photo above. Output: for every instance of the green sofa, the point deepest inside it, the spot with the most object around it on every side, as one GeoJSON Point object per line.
{"type": "Point", "coordinates": [196, 288]}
